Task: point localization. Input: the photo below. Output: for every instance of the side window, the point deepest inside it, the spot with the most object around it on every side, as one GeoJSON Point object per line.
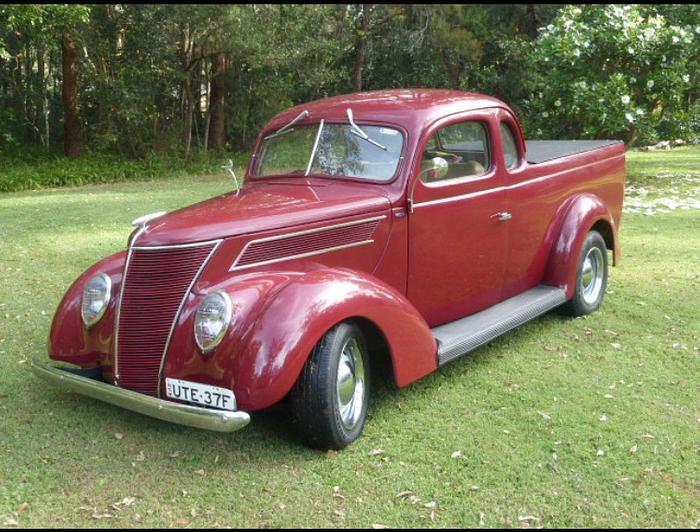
{"type": "Point", "coordinates": [510, 148]}
{"type": "Point", "coordinates": [458, 150]}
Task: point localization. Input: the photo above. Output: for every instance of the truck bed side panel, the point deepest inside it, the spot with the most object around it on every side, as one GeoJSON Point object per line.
{"type": "Point", "coordinates": [538, 197]}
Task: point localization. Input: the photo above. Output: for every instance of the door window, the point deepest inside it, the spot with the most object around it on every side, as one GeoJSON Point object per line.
{"type": "Point", "coordinates": [456, 151]}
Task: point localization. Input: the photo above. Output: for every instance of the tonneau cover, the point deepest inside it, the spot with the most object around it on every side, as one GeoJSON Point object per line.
{"type": "Point", "coordinates": [539, 151]}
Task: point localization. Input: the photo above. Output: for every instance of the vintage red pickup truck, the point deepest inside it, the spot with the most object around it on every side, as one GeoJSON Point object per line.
{"type": "Point", "coordinates": [407, 225]}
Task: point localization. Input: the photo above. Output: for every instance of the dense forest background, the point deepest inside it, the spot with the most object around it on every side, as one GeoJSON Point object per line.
{"type": "Point", "coordinates": [180, 80]}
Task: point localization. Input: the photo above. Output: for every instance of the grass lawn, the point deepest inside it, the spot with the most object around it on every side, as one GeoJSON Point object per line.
{"type": "Point", "coordinates": [565, 422]}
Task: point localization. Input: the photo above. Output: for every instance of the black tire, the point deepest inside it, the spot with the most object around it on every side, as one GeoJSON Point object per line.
{"type": "Point", "coordinates": [318, 412]}
{"type": "Point", "coordinates": [588, 296]}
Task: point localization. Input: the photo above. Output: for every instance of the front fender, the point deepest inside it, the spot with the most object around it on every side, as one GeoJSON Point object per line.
{"type": "Point", "coordinates": [69, 339]}
{"type": "Point", "coordinates": [293, 319]}
{"type": "Point", "coordinates": [583, 212]}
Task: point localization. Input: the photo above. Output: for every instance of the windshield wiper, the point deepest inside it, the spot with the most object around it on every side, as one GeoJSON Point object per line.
{"type": "Point", "coordinates": [357, 131]}
{"type": "Point", "coordinates": [286, 128]}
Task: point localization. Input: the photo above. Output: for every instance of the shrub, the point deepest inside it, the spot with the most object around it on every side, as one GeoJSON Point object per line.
{"type": "Point", "coordinates": [615, 71]}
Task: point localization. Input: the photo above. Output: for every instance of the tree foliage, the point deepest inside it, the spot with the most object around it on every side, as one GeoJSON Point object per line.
{"type": "Point", "coordinates": [149, 76]}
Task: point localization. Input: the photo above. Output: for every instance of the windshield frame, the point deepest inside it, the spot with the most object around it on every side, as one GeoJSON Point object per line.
{"type": "Point", "coordinates": [256, 158]}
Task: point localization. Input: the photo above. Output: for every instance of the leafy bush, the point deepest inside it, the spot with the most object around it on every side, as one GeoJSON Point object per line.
{"type": "Point", "coordinates": [27, 169]}
{"type": "Point", "coordinates": [615, 71]}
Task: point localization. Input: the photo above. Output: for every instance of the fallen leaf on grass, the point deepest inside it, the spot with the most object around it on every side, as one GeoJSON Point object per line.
{"type": "Point", "coordinates": [10, 522]}
{"type": "Point", "coordinates": [176, 454]}
{"type": "Point", "coordinates": [375, 452]}
{"type": "Point", "coordinates": [615, 345]}
{"type": "Point", "coordinates": [432, 505]}
{"type": "Point", "coordinates": [600, 452]}
{"type": "Point", "coordinates": [104, 515]}
{"type": "Point", "coordinates": [544, 415]}
{"type": "Point", "coordinates": [200, 472]}
{"type": "Point", "coordinates": [456, 454]}
{"type": "Point", "coordinates": [118, 435]}
{"type": "Point", "coordinates": [608, 396]}
{"type": "Point", "coordinates": [376, 526]}
{"type": "Point", "coordinates": [528, 518]}
{"type": "Point", "coordinates": [633, 449]}
{"type": "Point", "coordinates": [603, 418]}
{"type": "Point", "coordinates": [124, 503]}
{"type": "Point", "coordinates": [22, 507]}
{"type": "Point", "coordinates": [140, 457]}
{"type": "Point", "coordinates": [403, 494]}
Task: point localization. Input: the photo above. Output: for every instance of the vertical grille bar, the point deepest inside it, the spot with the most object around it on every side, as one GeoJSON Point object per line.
{"type": "Point", "coordinates": [156, 283]}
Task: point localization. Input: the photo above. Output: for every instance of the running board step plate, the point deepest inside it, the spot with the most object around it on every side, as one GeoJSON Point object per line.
{"type": "Point", "coordinates": [459, 337]}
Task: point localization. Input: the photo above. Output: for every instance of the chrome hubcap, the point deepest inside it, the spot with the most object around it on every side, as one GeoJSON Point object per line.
{"type": "Point", "coordinates": [350, 386]}
{"type": "Point", "coordinates": [592, 275]}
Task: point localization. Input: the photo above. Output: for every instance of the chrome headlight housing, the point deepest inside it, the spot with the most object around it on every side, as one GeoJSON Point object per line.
{"type": "Point", "coordinates": [96, 296]}
{"type": "Point", "coordinates": [212, 320]}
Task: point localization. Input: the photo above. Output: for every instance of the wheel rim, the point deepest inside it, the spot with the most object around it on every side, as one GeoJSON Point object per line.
{"type": "Point", "coordinates": [350, 385]}
{"type": "Point", "coordinates": [592, 275]}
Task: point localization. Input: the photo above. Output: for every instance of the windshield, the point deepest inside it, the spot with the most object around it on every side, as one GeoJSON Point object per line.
{"type": "Point", "coordinates": [340, 152]}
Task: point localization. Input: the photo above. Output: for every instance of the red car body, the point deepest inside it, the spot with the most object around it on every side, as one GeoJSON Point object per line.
{"type": "Point", "coordinates": [298, 255]}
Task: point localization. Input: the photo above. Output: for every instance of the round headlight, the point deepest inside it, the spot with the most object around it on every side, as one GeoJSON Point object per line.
{"type": "Point", "coordinates": [96, 296]}
{"type": "Point", "coordinates": [211, 321]}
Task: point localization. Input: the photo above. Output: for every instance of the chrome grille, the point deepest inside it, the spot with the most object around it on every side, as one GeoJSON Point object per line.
{"type": "Point", "coordinates": [156, 282]}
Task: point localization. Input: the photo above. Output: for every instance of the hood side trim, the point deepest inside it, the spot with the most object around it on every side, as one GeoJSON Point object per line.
{"type": "Point", "coordinates": [253, 254]}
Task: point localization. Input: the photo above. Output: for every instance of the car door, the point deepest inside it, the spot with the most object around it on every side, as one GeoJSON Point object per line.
{"type": "Point", "coordinates": [457, 237]}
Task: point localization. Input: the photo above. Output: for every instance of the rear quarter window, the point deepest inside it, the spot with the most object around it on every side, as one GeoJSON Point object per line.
{"type": "Point", "coordinates": [510, 148]}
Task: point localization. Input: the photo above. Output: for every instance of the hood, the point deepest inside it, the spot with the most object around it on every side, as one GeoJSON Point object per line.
{"type": "Point", "coordinates": [262, 206]}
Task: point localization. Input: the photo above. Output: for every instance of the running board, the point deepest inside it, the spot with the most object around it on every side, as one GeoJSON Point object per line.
{"type": "Point", "coordinates": [459, 337]}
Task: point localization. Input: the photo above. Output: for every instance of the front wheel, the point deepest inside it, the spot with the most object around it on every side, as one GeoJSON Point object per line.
{"type": "Point", "coordinates": [591, 276]}
{"type": "Point", "coordinates": [331, 395]}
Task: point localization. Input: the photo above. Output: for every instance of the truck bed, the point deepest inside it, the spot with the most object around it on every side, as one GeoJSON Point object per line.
{"type": "Point", "coordinates": [539, 151]}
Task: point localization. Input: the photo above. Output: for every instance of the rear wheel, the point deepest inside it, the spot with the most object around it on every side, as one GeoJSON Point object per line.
{"type": "Point", "coordinates": [331, 395]}
{"type": "Point", "coordinates": [591, 276]}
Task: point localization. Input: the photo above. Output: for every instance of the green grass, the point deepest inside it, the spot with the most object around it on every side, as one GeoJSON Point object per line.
{"type": "Point", "coordinates": [524, 412]}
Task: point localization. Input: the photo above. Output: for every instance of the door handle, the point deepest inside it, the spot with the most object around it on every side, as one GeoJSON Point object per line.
{"type": "Point", "coordinates": [502, 216]}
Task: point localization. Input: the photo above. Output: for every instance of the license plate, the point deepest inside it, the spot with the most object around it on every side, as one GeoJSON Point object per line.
{"type": "Point", "coordinates": [201, 394]}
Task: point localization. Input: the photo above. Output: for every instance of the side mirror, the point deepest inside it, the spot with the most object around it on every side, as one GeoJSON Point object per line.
{"type": "Point", "coordinates": [439, 168]}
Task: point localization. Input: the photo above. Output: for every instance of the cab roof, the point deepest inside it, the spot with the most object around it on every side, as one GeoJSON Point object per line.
{"type": "Point", "coordinates": [411, 108]}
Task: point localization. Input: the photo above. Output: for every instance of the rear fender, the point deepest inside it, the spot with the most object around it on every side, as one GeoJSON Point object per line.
{"type": "Point", "coordinates": [584, 212]}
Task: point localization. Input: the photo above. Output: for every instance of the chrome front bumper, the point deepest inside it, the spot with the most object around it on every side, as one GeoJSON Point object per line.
{"type": "Point", "coordinates": [192, 416]}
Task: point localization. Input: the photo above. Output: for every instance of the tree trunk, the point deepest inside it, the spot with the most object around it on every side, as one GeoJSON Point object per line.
{"type": "Point", "coordinates": [72, 143]}
{"type": "Point", "coordinates": [532, 21]}
{"type": "Point", "coordinates": [217, 115]}
{"type": "Point", "coordinates": [361, 48]}
{"type": "Point", "coordinates": [187, 103]}
{"type": "Point", "coordinates": [42, 100]}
